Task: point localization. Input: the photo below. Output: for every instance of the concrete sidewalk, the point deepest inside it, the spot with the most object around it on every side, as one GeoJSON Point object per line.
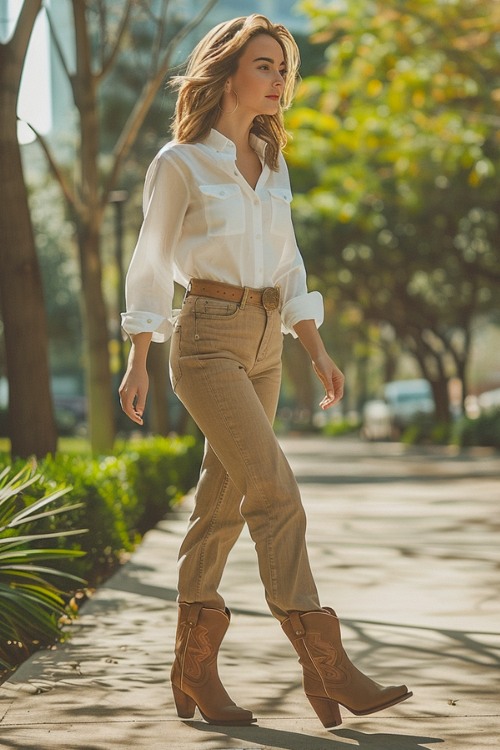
{"type": "Point", "coordinates": [404, 546]}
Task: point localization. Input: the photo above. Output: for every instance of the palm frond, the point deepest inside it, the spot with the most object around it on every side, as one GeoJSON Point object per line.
{"type": "Point", "coordinates": [31, 604]}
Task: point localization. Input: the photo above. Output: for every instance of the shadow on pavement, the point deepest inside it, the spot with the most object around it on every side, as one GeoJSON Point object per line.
{"type": "Point", "coordinates": [278, 738]}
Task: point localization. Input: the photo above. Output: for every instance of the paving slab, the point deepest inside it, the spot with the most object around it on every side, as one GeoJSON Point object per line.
{"type": "Point", "coordinates": [404, 545]}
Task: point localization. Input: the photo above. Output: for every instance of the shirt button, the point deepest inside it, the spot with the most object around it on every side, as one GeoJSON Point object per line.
{"type": "Point", "coordinates": [149, 320]}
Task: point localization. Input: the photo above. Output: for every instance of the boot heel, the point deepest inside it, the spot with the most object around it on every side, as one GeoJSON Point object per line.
{"type": "Point", "coordinates": [184, 704]}
{"type": "Point", "coordinates": [327, 710]}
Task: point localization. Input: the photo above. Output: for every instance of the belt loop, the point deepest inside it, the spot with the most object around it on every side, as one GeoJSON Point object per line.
{"type": "Point", "coordinates": [244, 298]}
{"type": "Point", "coordinates": [194, 614]}
{"type": "Point", "coordinates": [188, 290]}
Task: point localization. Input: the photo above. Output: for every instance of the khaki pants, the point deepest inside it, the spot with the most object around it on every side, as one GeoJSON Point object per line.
{"type": "Point", "coordinates": [225, 366]}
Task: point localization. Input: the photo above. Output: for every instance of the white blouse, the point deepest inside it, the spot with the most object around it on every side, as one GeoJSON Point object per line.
{"type": "Point", "coordinates": [203, 220]}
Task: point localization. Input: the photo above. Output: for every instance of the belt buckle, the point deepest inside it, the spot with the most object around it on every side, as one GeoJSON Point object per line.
{"type": "Point", "coordinates": [270, 298]}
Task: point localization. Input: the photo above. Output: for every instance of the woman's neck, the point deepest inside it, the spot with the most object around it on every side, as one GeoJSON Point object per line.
{"type": "Point", "coordinates": [236, 131]}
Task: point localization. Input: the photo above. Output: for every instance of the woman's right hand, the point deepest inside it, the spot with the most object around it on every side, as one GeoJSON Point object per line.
{"type": "Point", "coordinates": [135, 383]}
{"type": "Point", "coordinates": [133, 392]}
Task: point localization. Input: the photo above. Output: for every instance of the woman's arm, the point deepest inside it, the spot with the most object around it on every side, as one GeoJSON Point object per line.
{"type": "Point", "coordinates": [149, 286]}
{"type": "Point", "coordinates": [134, 386]}
{"type": "Point", "coordinates": [324, 367]}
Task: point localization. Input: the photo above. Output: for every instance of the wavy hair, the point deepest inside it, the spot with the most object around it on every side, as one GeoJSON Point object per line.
{"type": "Point", "coordinates": [212, 61]}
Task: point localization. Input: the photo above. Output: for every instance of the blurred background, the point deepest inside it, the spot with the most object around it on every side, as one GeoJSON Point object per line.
{"type": "Point", "coordinates": [394, 156]}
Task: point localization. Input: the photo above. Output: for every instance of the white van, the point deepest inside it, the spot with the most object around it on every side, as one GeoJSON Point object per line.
{"type": "Point", "coordinates": [403, 400]}
{"type": "Point", "coordinates": [406, 399]}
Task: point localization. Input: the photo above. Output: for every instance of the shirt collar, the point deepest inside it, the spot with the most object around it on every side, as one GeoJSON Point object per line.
{"type": "Point", "coordinates": [226, 148]}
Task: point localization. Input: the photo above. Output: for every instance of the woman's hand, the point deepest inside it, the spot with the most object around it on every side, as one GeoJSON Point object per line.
{"type": "Point", "coordinates": [332, 379]}
{"type": "Point", "coordinates": [133, 392]}
{"type": "Point", "coordinates": [324, 366]}
{"type": "Point", "coordinates": [135, 384]}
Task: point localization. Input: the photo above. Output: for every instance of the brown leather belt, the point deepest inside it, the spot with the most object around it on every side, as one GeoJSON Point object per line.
{"type": "Point", "coordinates": [268, 298]}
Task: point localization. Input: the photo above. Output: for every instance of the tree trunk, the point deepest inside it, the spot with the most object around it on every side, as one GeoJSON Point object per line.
{"type": "Point", "coordinates": [299, 371]}
{"type": "Point", "coordinates": [433, 369]}
{"type": "Point", "coordinates": [159, 418]}
{"type": "Point", "coordinates": [89, 221]}
{"type": "Point", "coordinates": [100, 394]}
{"type": "Point", "coordinates": [461, 364]}
{"type": "Point", "coordinates": [441, 400]}
{"type": "Point", "coordinates": [32, 427]}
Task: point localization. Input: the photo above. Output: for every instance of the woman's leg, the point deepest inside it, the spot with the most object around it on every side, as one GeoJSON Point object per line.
{"type": "Point", "coordinates": [216, 521]}
{"type": "Point", "coordinates": [224, 373]}
{"type": "Point", "coordinates": [214, 526]}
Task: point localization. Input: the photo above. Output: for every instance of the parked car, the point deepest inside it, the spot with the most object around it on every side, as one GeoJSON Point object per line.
{"type": "Point", "coordinates": [407, 399]}
{"type": "Point", "coordinates": [376, 423]}
{"type": "Point", "coordinates": [403, 401]}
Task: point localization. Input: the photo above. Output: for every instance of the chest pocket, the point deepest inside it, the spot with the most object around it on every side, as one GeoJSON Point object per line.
{"type": "Point", "coordinates": [280, 210]}
{"type": "Point", "coordinates": [224, 209]}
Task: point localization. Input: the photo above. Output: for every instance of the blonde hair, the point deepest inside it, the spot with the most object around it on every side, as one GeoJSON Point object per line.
{"type": "Point", "coordinates": [212, 61]}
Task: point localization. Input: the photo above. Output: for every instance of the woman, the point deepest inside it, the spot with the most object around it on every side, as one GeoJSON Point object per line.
{"type": "Point", "coordinates": [217, 221]}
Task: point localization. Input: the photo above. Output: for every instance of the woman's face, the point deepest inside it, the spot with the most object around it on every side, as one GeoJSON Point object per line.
{"type": "Point", "coordinates": [259, 79]}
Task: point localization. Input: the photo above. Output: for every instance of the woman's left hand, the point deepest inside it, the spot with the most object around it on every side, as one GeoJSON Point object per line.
{"type": "Point", "coordinates": [332, 379]}
{"type": "Point", "coordinates": [324, 366]}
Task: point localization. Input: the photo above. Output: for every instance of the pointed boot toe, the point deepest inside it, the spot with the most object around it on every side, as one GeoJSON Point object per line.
{"type": "Point", "coordinates": [329, 676]}
{"type": "Point", "coordinates": [195, 677]}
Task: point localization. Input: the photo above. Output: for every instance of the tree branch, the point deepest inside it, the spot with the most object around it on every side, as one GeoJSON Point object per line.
{"type": "Point", "coordinates": [143, 104]}
{"type": "Point", "coordinates": [59, 49]}
{"type": "Point", "coordinates": [103, 24]}
{"type": "Point", "coordinates": [183, 33]}
{"type": "Point", "coordinates": [108, 62]}
{"type": "Point", "coordinates": [160, 28]}
{"type": "Point", "coordinates": [57, 172]}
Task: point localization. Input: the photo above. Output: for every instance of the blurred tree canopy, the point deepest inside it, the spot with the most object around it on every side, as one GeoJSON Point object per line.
{"type": "Point", "coordinates": [395, 160]}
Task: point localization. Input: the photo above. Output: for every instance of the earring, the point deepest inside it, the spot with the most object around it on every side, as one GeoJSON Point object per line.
{"type": "Point", "coordinates": [233, 110]}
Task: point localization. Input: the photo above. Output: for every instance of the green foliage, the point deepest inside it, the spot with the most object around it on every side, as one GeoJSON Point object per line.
{"type": "Point", "coordinates": [58, 265]}
{"type": "Point", "coordinates": [119, 497]}
{"type": "Point", "coordinates": [424, 430]}
{"type": "Point", "coordinates": [395, 158]}
{"type": "Point", "coordinates": [340, 428]}
{"type": "Point", "coordinates": [483, 430]}
{"type": "Point", "coordinates": [161, 470]}
{"type": "Point", "coordinates": [108, 508]}
{"type": "Point", "coordinates": [32, 605]}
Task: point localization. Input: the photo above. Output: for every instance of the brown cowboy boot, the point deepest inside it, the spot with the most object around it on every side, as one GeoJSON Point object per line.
{"type": "Point", "coordinates": [195, 679]}
{"type": "Point", "coordinates": [329, 677]}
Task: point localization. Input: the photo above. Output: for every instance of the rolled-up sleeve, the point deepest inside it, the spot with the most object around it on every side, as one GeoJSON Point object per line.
{"type": "Point", "coordinates": [149, 286]}
{"type": "Point", "coordinates": [307, 306]}
{"type": "Point", "coordinates": [297, 302]}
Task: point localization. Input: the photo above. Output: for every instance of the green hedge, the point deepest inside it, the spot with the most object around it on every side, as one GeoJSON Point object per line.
{"type": "Point", "coordinates": [116, 498]}
{"type": "Point", "coordinates": [424, 430]}
{"type": "Point", "coordinates": [483, 431]}
{"type": "Point", "coordinates": [121, 496]}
